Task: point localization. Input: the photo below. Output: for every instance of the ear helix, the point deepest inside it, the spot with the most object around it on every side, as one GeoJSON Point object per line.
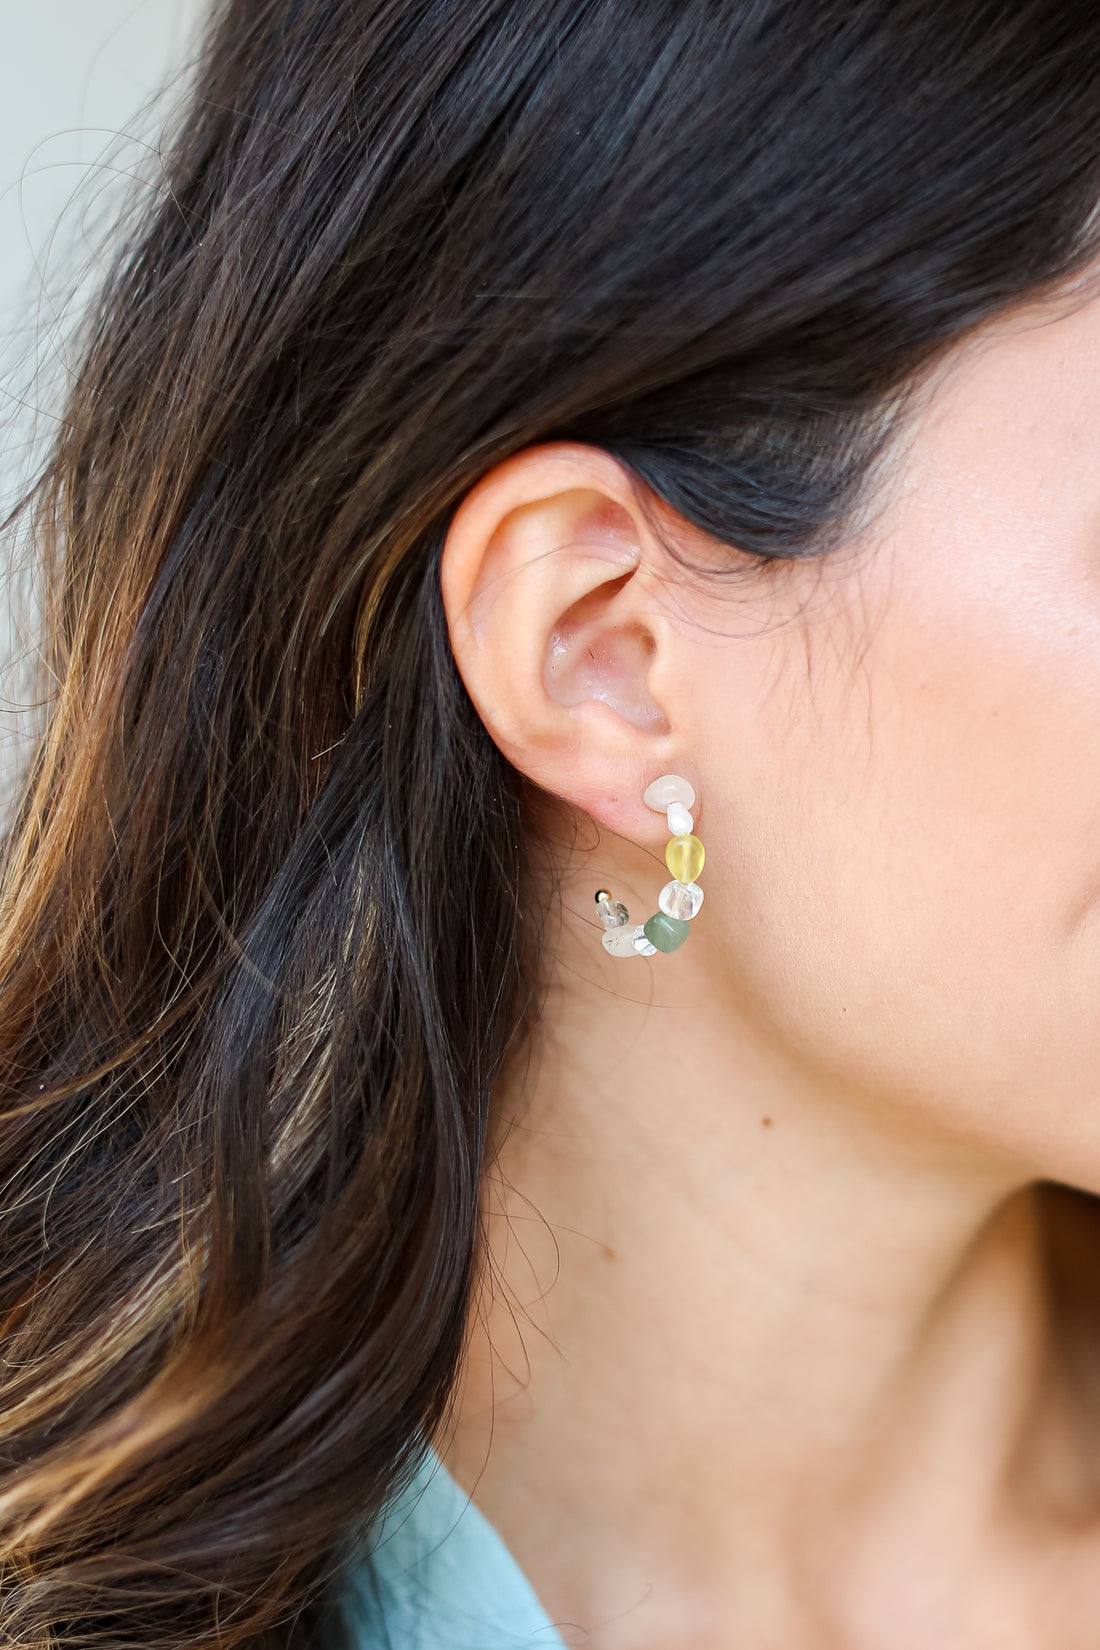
{"type": "Point", "coordinates": [680, 899]}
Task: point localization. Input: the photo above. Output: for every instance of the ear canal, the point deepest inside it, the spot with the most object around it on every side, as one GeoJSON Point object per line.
{"type": "Point", "coordinates": [586, 658]}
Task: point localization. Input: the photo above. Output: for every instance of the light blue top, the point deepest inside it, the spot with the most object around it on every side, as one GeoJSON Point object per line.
{"type": "Point", "coordinates": [441, 1578]}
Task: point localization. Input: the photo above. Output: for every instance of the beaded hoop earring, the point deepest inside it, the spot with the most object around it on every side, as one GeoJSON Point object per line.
{"type": "Point", "coordinates": [680, 899]}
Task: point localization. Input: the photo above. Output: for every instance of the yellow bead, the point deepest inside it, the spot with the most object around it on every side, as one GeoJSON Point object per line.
{"type": "Point", "coordinates": [684, 857]}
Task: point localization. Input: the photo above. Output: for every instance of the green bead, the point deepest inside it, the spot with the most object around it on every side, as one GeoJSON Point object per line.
{"type": "Point", "coordinates": [666, 933]}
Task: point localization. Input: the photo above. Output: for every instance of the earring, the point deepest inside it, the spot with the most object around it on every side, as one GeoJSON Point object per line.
{"type": "Point", "coordinates": [680, 899]}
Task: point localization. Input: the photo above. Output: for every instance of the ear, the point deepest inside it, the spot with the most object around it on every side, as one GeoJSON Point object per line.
{"type": "Point", "coordinates": [551, 580]}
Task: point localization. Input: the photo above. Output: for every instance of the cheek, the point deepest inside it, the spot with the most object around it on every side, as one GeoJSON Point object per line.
{"type": "Point", "coordinates": [916, 868]}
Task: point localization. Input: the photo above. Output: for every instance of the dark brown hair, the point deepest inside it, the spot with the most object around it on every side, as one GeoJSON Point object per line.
{"type": "Point", "coordinates": [265, 940]}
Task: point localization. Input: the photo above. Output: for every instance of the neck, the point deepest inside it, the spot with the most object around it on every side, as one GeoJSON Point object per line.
{"type": "Point", "coordinates": [732, 1308]}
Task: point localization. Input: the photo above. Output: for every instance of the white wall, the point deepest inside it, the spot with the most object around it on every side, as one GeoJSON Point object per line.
{"type": "Point", "coordinates": [73, 75]}
{"type": "Point", "coordinates": [76, 80]}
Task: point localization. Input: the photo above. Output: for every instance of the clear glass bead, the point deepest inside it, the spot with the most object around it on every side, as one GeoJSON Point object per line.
{"type": "Point", "coordinates": [670, 787]}
{"type": "Point", "coordinates": [612, 913]}
{"type": "Point", "coordinates": [643, 945]}
{"type": "Point", "coordinates": [681, 821]}
{"type": "Point", "coordinates": [680, 899]}
{"type": "Point", "coordinates": [620, 941]}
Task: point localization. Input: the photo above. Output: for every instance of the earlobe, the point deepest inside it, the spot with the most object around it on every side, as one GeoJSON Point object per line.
{"type": "Point", "coordinates": [556, 629]}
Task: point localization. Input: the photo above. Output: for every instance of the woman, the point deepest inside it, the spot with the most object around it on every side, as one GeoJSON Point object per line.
{"type": "Point", "coordinates": [500, 409]}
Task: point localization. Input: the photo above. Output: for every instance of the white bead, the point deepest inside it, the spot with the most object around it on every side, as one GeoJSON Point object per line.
{"type": "Point", "coordinates": [670, 787]}
{"type": "Point", "coordinates": [644, 947]}
{"type": "Point", "coordinates": [620, 941]}
{"type": "Point", "coordinates": [680, 899]}
{"type": "Point", "coordinates": [680, 821]}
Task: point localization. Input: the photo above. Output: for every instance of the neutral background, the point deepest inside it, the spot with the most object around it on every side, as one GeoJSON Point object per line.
{"type": "Point", "coordinates": [76, 78]}
{"type": "Point", "coordinates": [78, 121]}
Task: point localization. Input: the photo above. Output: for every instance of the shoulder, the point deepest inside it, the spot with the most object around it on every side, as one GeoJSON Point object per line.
{"type": "Point", "coordinates": [439, 1577]}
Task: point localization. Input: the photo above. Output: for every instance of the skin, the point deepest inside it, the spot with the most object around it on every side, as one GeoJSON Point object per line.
{"type": "Point", "coordinates": [783, 1340]}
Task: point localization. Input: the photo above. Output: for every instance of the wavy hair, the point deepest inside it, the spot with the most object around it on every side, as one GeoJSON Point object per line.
{"type": "Point", "coordinates": [267, 929]}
